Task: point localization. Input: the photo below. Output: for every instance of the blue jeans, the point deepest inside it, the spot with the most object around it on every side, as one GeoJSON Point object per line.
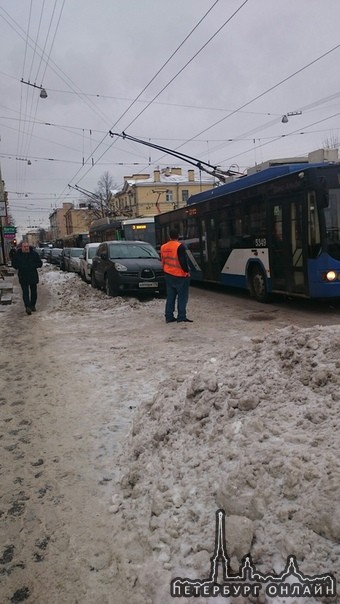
{"type": "Point", "coordinates": [176, 287]}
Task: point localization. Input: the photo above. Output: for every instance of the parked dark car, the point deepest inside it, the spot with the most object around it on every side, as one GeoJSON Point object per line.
{"type": "Point", "coordinates": [127, 267]}
{"type": "Point", "coordinates": [65, 255]}
{"type": "Point", "coordinates": [48, 254]}
{"type": "Point", "coordinates": [55, 256]}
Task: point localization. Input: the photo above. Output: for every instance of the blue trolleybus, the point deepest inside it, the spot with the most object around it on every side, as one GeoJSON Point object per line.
{"type": "Point", "coordinates": [276, 231]}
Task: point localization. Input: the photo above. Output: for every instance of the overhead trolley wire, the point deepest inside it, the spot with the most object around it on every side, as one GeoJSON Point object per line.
{"type": "Point", "coordinates": [184, 66]}
{"type": "Point", "coordinates": [257, 97]}
{"type": "Point", "coordinates": [26, 152]}
{"type": "Point", "coordinates": [282, 136]}
{"type": "Point", "coordinates": [171, 80]}
{"type": "Point", "coordinates": [54, 67]}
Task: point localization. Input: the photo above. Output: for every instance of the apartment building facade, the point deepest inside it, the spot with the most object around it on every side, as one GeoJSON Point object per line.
{"type": "Point", "coordinates": [167, 189]}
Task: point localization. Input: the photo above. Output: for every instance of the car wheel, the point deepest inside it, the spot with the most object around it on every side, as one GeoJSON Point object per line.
{"type": "Point", "coordinates": [109, 289]}
{"type": "Point", "coordinates": [94, 281]}
{"type": "Point", "coordinates": [258, 286]}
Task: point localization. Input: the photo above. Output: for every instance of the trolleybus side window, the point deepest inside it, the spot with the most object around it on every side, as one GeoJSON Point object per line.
{"type": "Point", "coordinates": [224, 237]}
{"type": "Point", "coordinates": [258, 226]}
{"type": "Point", "coordinates": [277, 223]}
{"type": "Point", "coordinates": [332, 215]}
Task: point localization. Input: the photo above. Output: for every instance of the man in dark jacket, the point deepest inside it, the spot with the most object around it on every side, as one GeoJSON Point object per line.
{"type": "Point", "coordinates": [26, 261]}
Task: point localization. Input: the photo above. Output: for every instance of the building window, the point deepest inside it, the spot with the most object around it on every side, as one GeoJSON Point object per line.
{"type": "Point", "coordinates": [185, 195]}
{"type": "Point", "coordinates": [168, 196]}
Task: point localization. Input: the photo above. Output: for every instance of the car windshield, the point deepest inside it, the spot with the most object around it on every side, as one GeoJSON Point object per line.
{"type": "Point", "coordinates": [91, 252]}
{"type": "Point", "coordinates": [76, 253]}
{"type": "Point", "coordinates": [135, 250]}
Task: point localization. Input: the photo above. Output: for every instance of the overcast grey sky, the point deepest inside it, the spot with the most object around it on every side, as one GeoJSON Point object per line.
{"type": "Point", "coordinates": [222, 93]}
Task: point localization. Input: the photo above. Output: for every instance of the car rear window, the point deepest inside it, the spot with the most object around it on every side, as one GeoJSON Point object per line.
{"type": "Point", "coordinates": [119, 251]}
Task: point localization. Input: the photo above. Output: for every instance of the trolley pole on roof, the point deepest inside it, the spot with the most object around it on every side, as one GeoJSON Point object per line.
{"type": "Point", "coordinates": [215, 171]}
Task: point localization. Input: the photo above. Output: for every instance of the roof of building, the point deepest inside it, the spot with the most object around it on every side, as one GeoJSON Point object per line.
{"type": "Point", "coordinates": [169, 179]}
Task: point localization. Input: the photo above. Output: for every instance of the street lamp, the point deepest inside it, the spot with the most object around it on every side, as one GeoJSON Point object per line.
{"type": "Point", "coordinates": [289, 114]}
{"type": "Point", "coordinates": [43, 93]}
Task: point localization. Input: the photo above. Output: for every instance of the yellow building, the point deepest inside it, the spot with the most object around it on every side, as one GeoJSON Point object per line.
{"type": "Point", "coordinates": [77, 221]}
{"type": "Point", "coordinates": [69, 220]}
{"type": "Point", "coordinates": [58, 222]}
{"type": "Point", "coordinates": [166, 190]}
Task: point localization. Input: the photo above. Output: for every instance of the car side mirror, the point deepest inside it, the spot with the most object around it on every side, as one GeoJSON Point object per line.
{"type": "Point", "coordinates": [103, 256]}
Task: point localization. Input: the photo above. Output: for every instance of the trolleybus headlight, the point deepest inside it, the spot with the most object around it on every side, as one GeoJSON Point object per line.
{"type": "Point", "coordinates": [330, 276]}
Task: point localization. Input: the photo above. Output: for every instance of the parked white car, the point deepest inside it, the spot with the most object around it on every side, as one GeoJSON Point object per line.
{"type": "Point", "coordinates": [88, 253]}
{"type": "Point", "coordinates": [74, 260]}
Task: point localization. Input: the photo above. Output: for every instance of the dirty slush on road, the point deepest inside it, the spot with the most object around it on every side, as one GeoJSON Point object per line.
{"type": "Point", "coordinates": [121, 437]}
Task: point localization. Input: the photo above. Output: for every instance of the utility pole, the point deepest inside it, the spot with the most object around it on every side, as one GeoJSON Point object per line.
{"type": "Point", "coordinates": [3, 213]}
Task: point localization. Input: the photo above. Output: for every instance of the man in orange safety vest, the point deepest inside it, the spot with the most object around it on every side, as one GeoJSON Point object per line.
{"type": "Point", "coordinates": [177, 278]}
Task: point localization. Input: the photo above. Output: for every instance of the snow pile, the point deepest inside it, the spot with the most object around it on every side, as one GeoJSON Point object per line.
{"type": "Point", "coordinates": [70, 293]}
{"type": "Point", "coordinates": [256, 433]}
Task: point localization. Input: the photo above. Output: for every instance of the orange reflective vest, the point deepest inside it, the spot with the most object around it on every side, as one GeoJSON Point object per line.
{"type": "Point", "coordinates": [169, 256]}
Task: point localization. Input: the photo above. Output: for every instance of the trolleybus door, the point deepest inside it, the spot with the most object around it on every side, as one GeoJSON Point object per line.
{"type": "Point", "coordinates": [288, 249]}
{"type": "Point", "coordinates": [210, 265]}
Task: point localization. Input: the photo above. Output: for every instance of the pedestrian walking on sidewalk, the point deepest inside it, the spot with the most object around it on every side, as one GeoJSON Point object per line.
{"type": "Point", "coordinates": [177, 278]}
{"type": "Point", "coordinates": [27, 261]}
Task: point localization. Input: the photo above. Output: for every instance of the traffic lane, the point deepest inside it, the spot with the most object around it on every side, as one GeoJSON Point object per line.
{"type": "Point", "coordinates": [286, 310]}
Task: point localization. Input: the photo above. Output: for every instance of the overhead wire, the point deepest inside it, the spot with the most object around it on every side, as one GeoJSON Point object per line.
{"type": "Point", "coordinates": [55, 68]}
{"type": "Point", "coordinates": [45, 44]}
{"type": "Point", "coordinates": [281, 136]}
{"type": "Point", "coordinates": [239, 109]}
{"type": "Point", "coordinates": [184, 66]}
{"type": "Point", "coordinates": [66, 161]}
{"type": "Point", "coordinates": [29, 139]}
{"type": "Point", "coordinates": [257, 97]}
{"type": "Point", "coordinates": [36, 41]}
{"type": "Point", "coordinates": [148, 84]}
{"type": "Point", "coordinates": [18, 170]}
{"type": "Point", "coordinates": [173, 78]}
{"type": "Point", "coordinates": [25, 137]}
{"type": "Point", "coordinates": [303, 109]}
{"type": "Point", "coordinates": [166, 63]}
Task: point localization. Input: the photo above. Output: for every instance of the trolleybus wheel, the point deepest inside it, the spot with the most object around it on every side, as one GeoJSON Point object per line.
{"type": "Point", "coordinates": [258, 287]}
